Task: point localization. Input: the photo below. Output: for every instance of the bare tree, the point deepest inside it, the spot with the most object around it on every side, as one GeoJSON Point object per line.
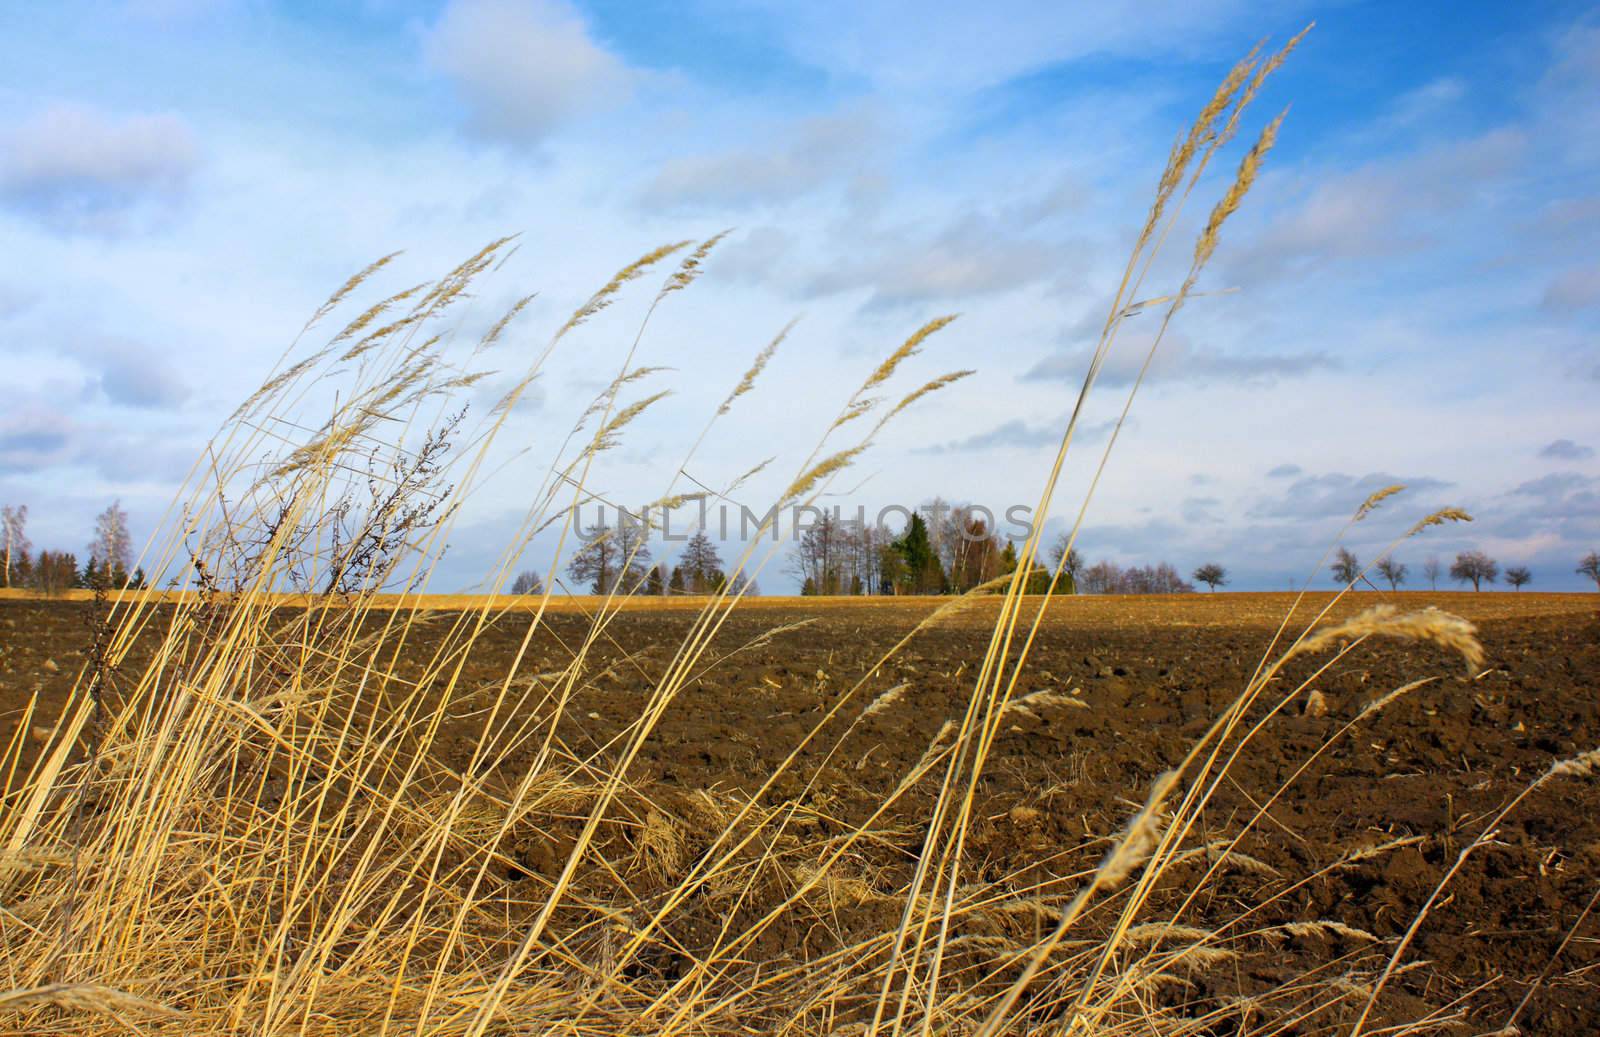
{"type": "Point", "coordinates": [1474, 567]}
{"type": "Point", "coordinates": [862, 546]}
{"type": "Point", "coordinates": [1110, 578]}
{"type": "Point", "coordinates": [634, 553]}
{"type": "Point", "coordinates": [55, 571]}
{"type": "Point", "coordinates": [111, 550]}
{"type": "Point", "coordinates": [613, 559]}
{"type": "Point", "coordinates": [1393, 571]}
{"type": "Point", "coordinates": [1518, 576]}
{"type": "Point", "coordinates": [1072, 568]}
{"type": "Point", "coordinates": [819, 558]}
{"type": "Point", "coordinates": [527, 583]}
{"type": "Point", "coordinates": [14, 531]}
{"type": "Point", "coordinates": [977, 557]}
{"type": "Point", "coordinates": [1590, 566]}
{"type": "Point", "coordinates": [598, 561]}
{"type": "Point", "coordinates": [1431, 570]}
{"type": "Point", "coordinates": [1346, 567]}
{"type": "Point", "coordinates": [1212, 575]}
{"type": "Point", "coordinates": [1101, 578]}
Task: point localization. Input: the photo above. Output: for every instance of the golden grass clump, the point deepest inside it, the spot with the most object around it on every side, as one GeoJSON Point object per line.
{"type": "Point", "coordinates": [1430, 625]}
{"type": "Point", "coordinates": [259, 832]}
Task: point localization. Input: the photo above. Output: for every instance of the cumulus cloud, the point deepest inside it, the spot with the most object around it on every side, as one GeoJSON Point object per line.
{"type": "Point", "coordinates": [972, 257]}
{"type": "Point", "coordinates": [1567, 450]}
{"type": "Point", "coordinates": [1019, 434]}
{"type": "Point", "coordinates": [1555, 487]}
{"type": "Point", "coordinates": [523, 67]}
{"type": "Point", "coordinates": [1335, 493]}
{"type": "Point", "coordinates": [809, 155]}
{"type": "Point", "coordinates": [1179, 360]}
{"type": "Point", "coordinates": [40, 438]}
{"type": "Point", "coordinates": [1423, 105]}
{"type": "Point", "coordinates": [33, 437]}
{"type": "Point", "coordinates": [77, 168]}
{"type": "Point", "coordinates": [1559, 508]}
{"type": "Point", "coordinates": [1381, 209]}
{"type": "Point", "coordinates": [961, 47]}
{"type": "Point", "coordinates": [128, 373]}
{"type": "Point", "coordinates": [756, 256]}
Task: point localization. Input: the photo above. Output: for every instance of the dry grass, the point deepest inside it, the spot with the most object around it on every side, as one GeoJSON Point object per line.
{"type": "Point", "coordinates": [260, 838]}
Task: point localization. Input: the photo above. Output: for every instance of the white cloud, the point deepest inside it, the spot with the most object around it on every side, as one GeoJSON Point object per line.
{"type": "Point", "coordinates": [74, 167]}
{"type": "Point", "coordinates": [956, 46]}
{"type": "Point", "coordinates": [1019, 434]}
{"type": "Point", "coordinates": [759, 255]}
{"type": "Point", "coordinates": [131, 375]}
{"type": "Point", "coordinates": [1566, 450]}
{"type": "Point", "coordinates": [1380, 209]}
{"type": "Point", "coordinates": [1425, 103]}
{"type": "Point", "coordinates": [974, 256]}
{"type": "Point", "coordinates": [1180, 360]}
{"type": "Point", "coordinates": [1574, 290]}
{"type": "Point", "coordinates": [812, 153]}
{"type": "Point", "coordinates": [1335, 493]}
{"type": "Point", "coordinates": [523, 67]}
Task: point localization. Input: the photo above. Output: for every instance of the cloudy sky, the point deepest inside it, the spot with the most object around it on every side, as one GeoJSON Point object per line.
{"type": "Point", "coordinates": [1416, 288]}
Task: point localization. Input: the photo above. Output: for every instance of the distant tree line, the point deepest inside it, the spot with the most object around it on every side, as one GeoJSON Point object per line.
{"type": "Point", "coordinates": [618, 560]}
{"type": "Point", "coordinates": [950, 552]}
{"type": "Point", "coordinates": [109, 556]}
{"type": "Point", "coordinates": [1474, 567]}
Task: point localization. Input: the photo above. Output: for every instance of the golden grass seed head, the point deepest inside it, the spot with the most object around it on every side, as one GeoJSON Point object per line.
{"type": "Point", "coordinates": [1439, 518]}
{"type": "Point", "coordinates": [748, 382]}
{"type": "Point", "coordinates": [1377, 498]}
{"type": "Point", "coordinates": [909, 348]}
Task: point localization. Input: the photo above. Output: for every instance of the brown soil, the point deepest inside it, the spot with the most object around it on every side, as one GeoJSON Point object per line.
{"type": "Point", "coordinates": [1150, 674]}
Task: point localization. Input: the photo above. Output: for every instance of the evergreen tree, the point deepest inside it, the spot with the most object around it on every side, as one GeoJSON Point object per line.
{"type": "Point", "coordinates": [699, 562]}
{"type": "Point", "coordinates": [675, 585]}
{"type": "Point", "coordinates": [923, 574]}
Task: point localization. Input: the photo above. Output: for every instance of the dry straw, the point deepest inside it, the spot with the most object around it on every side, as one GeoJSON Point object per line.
{"type": "Point", "coordinates": [272, 835]}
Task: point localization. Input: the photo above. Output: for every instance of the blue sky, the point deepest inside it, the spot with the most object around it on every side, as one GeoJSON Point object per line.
{"type": "Point", "coordinates": [1418, 289]}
